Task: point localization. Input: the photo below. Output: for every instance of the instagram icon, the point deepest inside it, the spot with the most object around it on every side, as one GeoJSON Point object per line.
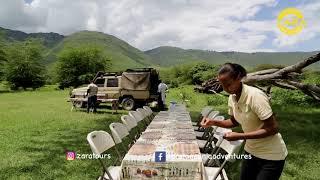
{"type": "Point", "coordinates": [70, 155]}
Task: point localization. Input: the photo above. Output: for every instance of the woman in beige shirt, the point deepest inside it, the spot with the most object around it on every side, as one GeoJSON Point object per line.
{"type": "Point", "coordinates": [250, 108]}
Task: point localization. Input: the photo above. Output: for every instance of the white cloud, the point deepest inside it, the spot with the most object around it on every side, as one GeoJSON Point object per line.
{"type": "Point", "coordinates": [145, 24]}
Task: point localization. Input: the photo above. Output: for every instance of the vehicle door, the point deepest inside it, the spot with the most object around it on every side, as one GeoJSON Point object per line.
{"type": "Point", "coordinates": [113, 87]}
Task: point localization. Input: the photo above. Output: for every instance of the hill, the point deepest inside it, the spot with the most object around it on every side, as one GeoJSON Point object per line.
{"type": "Point", "coordinates": [49, 39]}
{"type": "Point", "coordinates": [121, 54]}
{"type": "Point", "coordinates": [168, 56]}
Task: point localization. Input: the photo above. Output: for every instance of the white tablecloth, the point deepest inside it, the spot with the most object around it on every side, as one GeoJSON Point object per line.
{"type": "Point", "coordinates": [170, 132]}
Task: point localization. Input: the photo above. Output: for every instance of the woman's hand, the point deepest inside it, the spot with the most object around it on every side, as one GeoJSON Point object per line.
{"type": "Point", "coordinates": [206, 122]}
{"type": "Point", "coordinates": [233, 136]}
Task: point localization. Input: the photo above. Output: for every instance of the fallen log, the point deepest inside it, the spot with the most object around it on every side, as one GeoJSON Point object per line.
{"type": "Point", "coordinates": [287, 77]}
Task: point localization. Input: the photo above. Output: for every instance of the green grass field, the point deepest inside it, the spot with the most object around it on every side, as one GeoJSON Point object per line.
{"type": "Point", "coordinates": [299, 126]}
{"type": "Point", "coordinates": [38, 126]}
{"type": "Point", "coordinates": [36, 129]}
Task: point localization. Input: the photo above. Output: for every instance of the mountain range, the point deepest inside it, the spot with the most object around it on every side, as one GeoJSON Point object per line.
{"type": "Point", "coordinates": [124, 55]}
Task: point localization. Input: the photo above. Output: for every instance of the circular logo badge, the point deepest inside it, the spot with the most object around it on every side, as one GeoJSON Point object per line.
{"type": "Point", "coordinates": [291, 21]}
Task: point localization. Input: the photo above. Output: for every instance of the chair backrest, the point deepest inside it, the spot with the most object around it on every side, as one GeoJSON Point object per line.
{"type": "Point", "coordinates": [205, 111]}
{"type": "Point", "coordinates": [129, 122]}
{"type": "Point", "coordinates": [219, 118]}
{"type": "Point", "coordinates": [219, 132]}
{"type": "Point", "coordinates": [118, 131]}
{"type": "Point", "coordinates": [206, 114]}
{"type": "Point", "coordinates": [136, 115]}
{"type": "Point", "coordinates": [231, 147]}
{"type": "Point", "coordinates": [222, 130]}
{"type": "Point", "coordinates": [213, 114]}
{"type": "Point", "coordinates": [143, 112]}
{"type": "Point", "coordinates": [148, 109]}
{"type": "Point", "coordinates": [100, 141]}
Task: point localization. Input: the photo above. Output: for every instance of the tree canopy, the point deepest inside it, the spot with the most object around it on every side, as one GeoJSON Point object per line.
{"type": "Point", "coordinates": [24, 66]}
{"type": "Point", "coordinates": [78, 65]}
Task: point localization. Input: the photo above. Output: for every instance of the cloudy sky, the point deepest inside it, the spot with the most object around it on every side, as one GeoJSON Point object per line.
{"type": "Point", "coordinates": [221, 25]}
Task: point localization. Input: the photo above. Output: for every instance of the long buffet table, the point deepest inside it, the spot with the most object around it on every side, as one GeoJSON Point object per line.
{"type": "Point", "coordinates": [167, 149]}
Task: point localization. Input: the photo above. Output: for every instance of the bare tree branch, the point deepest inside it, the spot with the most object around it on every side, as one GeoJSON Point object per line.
{"type": "Point", "coordinates": [287, 77]}
{"type": "Point", "coordinates": [251, 79]}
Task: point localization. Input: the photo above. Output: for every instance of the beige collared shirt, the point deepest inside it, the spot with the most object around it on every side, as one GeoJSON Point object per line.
{"type": "Point", "coordinates": [93, 89]}
{"type": "Point", "coordinates": [250, 111]}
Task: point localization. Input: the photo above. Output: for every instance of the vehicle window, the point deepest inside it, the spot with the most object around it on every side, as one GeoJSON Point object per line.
{"type": "Point", "coordinates": [112, 82]}
{"type": "Point", "coordinates": [100, 82]}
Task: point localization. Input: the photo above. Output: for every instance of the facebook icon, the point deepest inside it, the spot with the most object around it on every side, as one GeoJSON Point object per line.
{"type": "Point", "coordinates": [160, 156]}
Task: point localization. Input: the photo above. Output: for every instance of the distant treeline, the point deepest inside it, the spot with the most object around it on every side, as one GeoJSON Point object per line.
{"type": "Point", "coordinates": [22, 65]}
{"type": "Point", "coordinates": [198, 72]}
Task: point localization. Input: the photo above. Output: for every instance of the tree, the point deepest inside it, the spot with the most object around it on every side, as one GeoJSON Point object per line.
{"type": "Point", "coordinates": [203, 71]}
{"type": "Point", "coordinates": [288, 77]}
{"type": "Point", "coordinates": [3, 58]}
{"type": "Point", "coordinates": [78, 65]}
{"type": "Point", "coordinates": [2, 61]}
{"type": "Point", "coordinates": [24, 65]}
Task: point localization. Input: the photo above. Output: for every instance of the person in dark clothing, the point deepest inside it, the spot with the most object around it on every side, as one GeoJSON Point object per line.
{"type": "Point", "coordinates": [92, 97]}
{"type": "Point", "coordinates": [162, 88]}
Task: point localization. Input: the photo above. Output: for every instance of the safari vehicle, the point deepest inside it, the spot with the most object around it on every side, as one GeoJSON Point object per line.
{"type": "Point", "coordinates": [128, 88]}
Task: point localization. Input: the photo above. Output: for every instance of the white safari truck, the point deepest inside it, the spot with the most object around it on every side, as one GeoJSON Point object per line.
{"type": "Point", "coordinates": [128, 88]}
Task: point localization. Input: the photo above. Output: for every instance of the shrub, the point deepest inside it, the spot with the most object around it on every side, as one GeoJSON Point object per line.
{"type": "Point", "coordinates": [76, 66]}
{"type": "Point", "coordinates": [24, 66]}
{"type": "Point", "coordinates": [217, 100]}
{"type": "Point", "coordinates": [287, 97]}
{"type": "Point", "coordinates": [312, 77]}
{"type": "Point", "coordinates": [261, 67]}
{"type": "Point", "coordinates": [187, 74]}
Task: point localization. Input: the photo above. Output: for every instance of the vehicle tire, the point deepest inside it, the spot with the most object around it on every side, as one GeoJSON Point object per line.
{"type": "Point", "coordinates": [79, 104]}
{"type": "Point", "coordinates": [128, 103]}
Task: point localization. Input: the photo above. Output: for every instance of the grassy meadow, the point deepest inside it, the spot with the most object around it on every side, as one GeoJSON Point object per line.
{"type": "Point", "coordinates": [37, 127]}
{"type": "Point", "coordinates": [298, 119]}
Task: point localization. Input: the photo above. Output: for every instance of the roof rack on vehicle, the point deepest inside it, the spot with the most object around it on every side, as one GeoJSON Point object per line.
{"type": "Point", "coordinates": [101, 74]}
{"type": "Point", "coordinates": [112, 73]}
{"type": "Point", "coordinates": [139, 70]}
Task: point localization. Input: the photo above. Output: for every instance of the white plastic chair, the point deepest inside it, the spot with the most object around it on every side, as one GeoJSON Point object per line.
{"type": "Point", "coordinates": [132, 126]}
{"type": "Point", "coordinates": [129, 122]}
{"type": "Point", "coordinates": [205, 112]}
{"type": "Point", "coordinates": [211, 144]}
{"type": "Point", "coordinates": [206, 145]}
{"type": "Point", "coordinates": [231, 148]}
{"type": "Point", "coordinates": [101, 141]}
{"type": "Point", "coordinates": [136, 115]}
{"type": "Point", "coordinates": [148, 109]}
{"type": "Point", "coordinates": [142, 112]}
{"type": "Point", "coordinates": [205, 134]}
{"type": "Point", "coordinates": [118, 131]}
{"type": "Point", "coordinates": [140, 120]}
{"type": "Point", "coordinates": [205, 156]}
{"type": "Point", "coordinates": [213, 114]}
{"type": "Point", "coordinates": [145, 114]}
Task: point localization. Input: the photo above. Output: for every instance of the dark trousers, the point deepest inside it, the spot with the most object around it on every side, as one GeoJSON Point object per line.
{"type": "Point", "coordinates": [160, 102]}
{"type": "Point", "coordinates": [92, 102]}
{"type": "Point", "coordinates": [261, 169]}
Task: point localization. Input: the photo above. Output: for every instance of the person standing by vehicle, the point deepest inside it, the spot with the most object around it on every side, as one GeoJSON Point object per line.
{"type": "Point", "coordinates": [162, 88]}
{"type": "Point", "coordinates": [92, 96]}
{"type": "Point", "coordinates": [250, 108]}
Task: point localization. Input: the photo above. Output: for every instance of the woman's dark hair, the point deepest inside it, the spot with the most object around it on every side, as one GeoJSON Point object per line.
{"type": "Point", "coordinates": [235, 70]}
